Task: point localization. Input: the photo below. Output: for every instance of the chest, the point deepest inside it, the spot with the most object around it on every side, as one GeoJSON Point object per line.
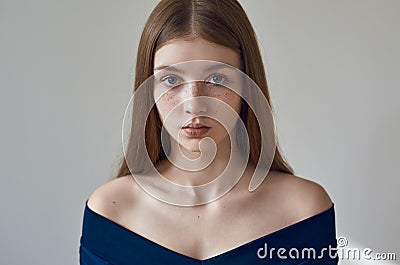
{"type": "Point", "coordinates": [203, 232]}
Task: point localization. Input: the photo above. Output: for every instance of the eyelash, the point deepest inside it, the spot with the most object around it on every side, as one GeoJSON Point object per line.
{"type": "Point", "coordinates": [224, 79]}
{"type": "Point", "coordinates": [164, 79]}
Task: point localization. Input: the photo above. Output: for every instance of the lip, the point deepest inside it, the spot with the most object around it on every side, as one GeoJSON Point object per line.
{"type": "Point", "coordinates": [195, 125]}
{"type": "Point", "coordinates": [195, 129]}
{"type": "Point", "coordinates": [195, 132]}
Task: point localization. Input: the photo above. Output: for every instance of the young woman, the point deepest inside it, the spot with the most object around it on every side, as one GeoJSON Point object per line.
{"type": "Point", "coordinates": [198, 64]}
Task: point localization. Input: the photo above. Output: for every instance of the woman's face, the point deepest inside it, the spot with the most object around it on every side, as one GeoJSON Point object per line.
{"type": "Point", "coordinates": [189, 95]}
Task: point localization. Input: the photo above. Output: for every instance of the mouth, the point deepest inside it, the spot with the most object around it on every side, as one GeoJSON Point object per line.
{"type": "Point", "coordinates": [195, 129]}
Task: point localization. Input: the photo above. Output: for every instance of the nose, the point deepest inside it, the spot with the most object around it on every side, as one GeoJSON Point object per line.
{"type": "Point", "coordinates": [193, 104]}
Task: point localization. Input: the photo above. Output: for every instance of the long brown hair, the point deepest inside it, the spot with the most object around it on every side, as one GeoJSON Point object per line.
{"type": "Point", "coordinates": [223, 22]}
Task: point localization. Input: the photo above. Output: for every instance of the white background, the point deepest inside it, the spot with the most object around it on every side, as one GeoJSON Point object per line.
{"type": "Point", "coordinates": [65, 76]}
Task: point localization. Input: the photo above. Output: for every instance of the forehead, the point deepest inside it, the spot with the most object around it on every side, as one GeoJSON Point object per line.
{"type": "Point", "coordinates": [178, 51]}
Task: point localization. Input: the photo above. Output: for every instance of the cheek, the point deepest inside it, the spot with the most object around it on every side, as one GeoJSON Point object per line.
{"type": "Point", "coordinates": [166, 104]}
{"type": "Point", "coordinates": [229, 97]}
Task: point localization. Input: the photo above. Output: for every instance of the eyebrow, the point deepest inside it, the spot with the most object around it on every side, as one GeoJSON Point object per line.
{"type": "Point", "coordinates": [213, 67]}
{"type": "Point", "coordinates": [220, 66]}
{"type": "Point", "coordinates": [161, 67]}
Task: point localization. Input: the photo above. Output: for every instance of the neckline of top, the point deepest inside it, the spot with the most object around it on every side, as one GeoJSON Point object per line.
{"type": "Point", "coordinates": [226, 252]}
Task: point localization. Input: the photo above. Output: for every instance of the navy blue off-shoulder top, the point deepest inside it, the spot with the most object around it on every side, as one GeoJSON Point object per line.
{"type": "Point", "coordinates": [310, 241]}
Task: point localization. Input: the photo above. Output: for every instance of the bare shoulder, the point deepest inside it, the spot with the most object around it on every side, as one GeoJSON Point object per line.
{"type": "Point", "coordinates": [111, 198]}
{"type": "Point", "coordinates": [302, 197]}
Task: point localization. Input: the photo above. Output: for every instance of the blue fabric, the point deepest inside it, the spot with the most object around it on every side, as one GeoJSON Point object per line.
{"type": "Point", "coordinates": [106, 242]}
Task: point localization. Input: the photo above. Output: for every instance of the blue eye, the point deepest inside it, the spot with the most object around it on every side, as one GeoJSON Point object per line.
{"type": "Point", "coordinates": [217, 79]}
{"type": "Point", "coordinates": [170, 80]}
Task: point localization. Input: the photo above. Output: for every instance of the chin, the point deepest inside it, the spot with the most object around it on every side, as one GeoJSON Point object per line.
{"type": "Point", "coordinates": [191, 145]}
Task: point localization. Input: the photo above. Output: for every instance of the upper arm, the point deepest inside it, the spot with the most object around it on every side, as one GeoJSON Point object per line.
{"type": "Point", "coordinates": [101, 199]}
{"type": "Point", "coordinates": [306, 198]}
{"type": "Point", "coordinates": [316, 198]}
{"type": "Point", "coordinates": [109, 198]}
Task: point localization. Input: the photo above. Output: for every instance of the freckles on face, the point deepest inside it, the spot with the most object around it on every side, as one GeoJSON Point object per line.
{"type": "Point", "coordinates": [230, 98]}
{"type": "Point", "coordinates": [166, 103]}
{"type": "Point", "coordinates": [176, 96]}
{"type": "Point", "coordinates": [180, 51]}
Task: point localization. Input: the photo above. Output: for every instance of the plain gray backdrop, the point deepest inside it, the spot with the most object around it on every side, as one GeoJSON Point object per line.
{"type": "Point", "coordinates": [65, 77]}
